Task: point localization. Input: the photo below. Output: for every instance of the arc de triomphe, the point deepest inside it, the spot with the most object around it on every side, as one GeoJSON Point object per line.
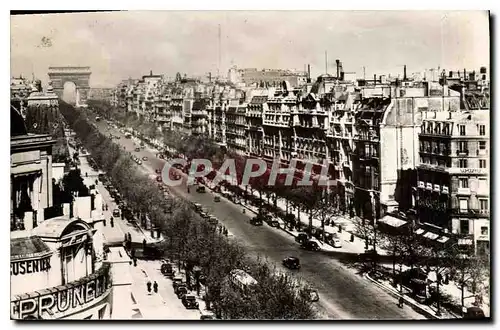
{"type": "Point", "coordinates": [79, 75]}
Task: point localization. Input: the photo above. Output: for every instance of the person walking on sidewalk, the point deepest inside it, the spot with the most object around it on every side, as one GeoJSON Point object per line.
{"type": "Point", "coordinates": [144, 244]}
{"type": "Point", "coordinates": [112, 223]}
{"type": "Point", "coordinates": [155, 287]}
{"type": "Point", "coordinates": [149, 286]}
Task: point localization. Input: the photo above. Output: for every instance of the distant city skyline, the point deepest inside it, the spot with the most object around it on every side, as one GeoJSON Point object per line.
{"type": "Point", "coordinates": [118, 45]}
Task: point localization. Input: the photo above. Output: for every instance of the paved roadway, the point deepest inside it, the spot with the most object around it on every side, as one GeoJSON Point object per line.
{"type": "Point", "coordinates": [343, 293]}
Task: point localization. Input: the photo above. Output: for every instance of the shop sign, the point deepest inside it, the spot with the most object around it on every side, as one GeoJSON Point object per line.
{"type": "Point", "coordinates": [22, 267]}
{"type": "Point", "coordinates": [61, 299]}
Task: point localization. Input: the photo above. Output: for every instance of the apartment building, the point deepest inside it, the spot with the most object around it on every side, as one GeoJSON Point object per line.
{"type": "Point", "coordinates": [452, 186]}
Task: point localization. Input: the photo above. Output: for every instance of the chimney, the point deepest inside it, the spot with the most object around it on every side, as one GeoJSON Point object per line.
{"type": "Point", "coordinates": [338, 67]}
{"type": "Point", "coordinates": [404, 73]}
{"type": "Point", "coordinates": [151, 72]}
{"type": "Point", "coordinates": [465, 75]}
{"type": "Point", "coordinates": [375, 80]}
{"type": "Point", "coordinates": [309, 73]}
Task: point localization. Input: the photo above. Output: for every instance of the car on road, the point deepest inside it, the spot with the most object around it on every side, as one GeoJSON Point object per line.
{"type": "Point", "coordinates": [197, 207]}
{"type": "Point", "coordinates": [116, 213]}
{"type": "Point", "coordinates": [144, 158]}
{"type": "Point", "coordinates": [336, 242]}
{"type": "Point", "coordinates": [301, 238]}
{"type": "Point", "coordinates": [158, 178]}
{"type": "Point", "coordinates": [291, 263]}
{"type": "Point", "coordinates": [204, 215]}
{"type": "Point", "coordinates": [213, 220]}
{"type": "Point", "coordinates": [167, 270]}
{"type": "Point", "coordinates": [177, 281]}
{"type": "Point", "coordinates": [201, 189]}
{"type": "Point", "coordinates": [217, 199]}
{"type": "Point", "coordinates": [256, 221]}
{"type": "Point", "coordinates": [158, 171]}
{"type": "Point", "coordinates": [313, 295]}
{"type": "Point", "coordinates": [137, 149]}
{"type": "Point", "coordinates": [310, 245]}
{"type": "Point", "coordinates": [189, 301]}
{"type": "Point", "coordinates": [180, 291]}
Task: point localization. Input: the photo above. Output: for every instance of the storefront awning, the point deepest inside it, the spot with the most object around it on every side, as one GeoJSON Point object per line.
{"type": "Point", "coordinates": [392, 221]}
{"type": "Point", "coordinates": [28, 248]}
{"type": "Point", "coordinates": [443, 239]}
{"type": "Point", "coordinates": [419, 231]}
{"type": "Point", "coordinates": [430, 235]}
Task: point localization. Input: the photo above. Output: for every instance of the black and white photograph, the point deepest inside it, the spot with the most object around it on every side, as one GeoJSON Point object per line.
{"type": "Point", "coordinates": [250, 165]}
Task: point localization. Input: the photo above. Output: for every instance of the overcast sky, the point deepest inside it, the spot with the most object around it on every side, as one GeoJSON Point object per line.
{"type": "Point", "coordinates": [121, 44]}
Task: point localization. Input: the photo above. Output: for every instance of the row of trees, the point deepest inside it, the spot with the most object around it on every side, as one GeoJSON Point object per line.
{"type": "Point", "coordinates": [193, 242]}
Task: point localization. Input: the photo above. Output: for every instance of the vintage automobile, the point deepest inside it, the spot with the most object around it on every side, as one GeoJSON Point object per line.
{"type": "Point", "coordinates": [301, 238]}
{"type": "Point", "coordinates": [291, 263]}
{"type": "Point", "coordinates": [167, 270]}
{"type": "Point", "coordinates": [217, 199]}
{"type": "Point", "coordinates": [201, 189]}
{"type": "Point", "coordinates": [310, 245]}
{"type": "Point", "coordinates": [137, 149]}
{"type": "Point", "coordinates": [116, 213]}
{"type": "Point", "coordinates": [213, 221]}
{"type": "Point", "coordinates": [256, 221]}
{"type": "Point", "coordinates": [177, 281]}
{"type": "Point", "coordinates": [189, 301]}
{"type": "Point", "coordinates": [181, 291]}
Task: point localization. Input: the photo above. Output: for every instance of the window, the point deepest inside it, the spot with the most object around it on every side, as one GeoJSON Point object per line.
{"type": "Point", "coordinates": [482, 163]}
{"type": "Point", "coordinates": [464, 205]}
{"type": "Point", "coordinates": [484, 230]}
{"type": "Point", "coordinates": [437, 130]}
{"type": "Point", "coordinates": [483, 204]}
{"type": "Point", "coordinates": [482, 145]}
{"type": "Point", "coordinates": [462, 163]}
{"type": "Point", "coordinates": [482, 185]}
{"type": "Point", "coordinates": [464, 226]}
{"type": "Point", "coordinates": [461, 130]}
{"type": "Point", "coordinates": [463, 183]}
{"type": "Point", "coordinates": [482, 129]}
{"type": "Point", "coordinates": [462, 146]}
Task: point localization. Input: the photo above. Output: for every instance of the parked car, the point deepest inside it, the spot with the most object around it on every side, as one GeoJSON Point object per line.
{"type": "Point", "coordinates": [201, 189]}
{"type": "Point", "coordinates": [197, 207]}
{"type": "Point", "coordinates": [213, 220]}
{"type": "Point", "coordinates": [291, 263]}
{"type": "Point", "coordinates": [158, 171]}
{"type": "Point", "coordinates": [158, 178]}
{"type": "Point", "coordinates": [217, 199]}
{"type": "Point", "coordinates": [116, 213]}
{"type": "Point", "coordinates": [336, 242]}
{"type": "Point", "coordinates": [301, 238]}
{"type": "Point", "coordinates": [181, 291]}
{"type": "Point", "coordinates": [276, 223]}
{"type": "Point", "coordinates": [176, 282]}
{"type": "Point", "coordinates": [137, 149]}
{"type": "Point", "coordinates": [189, 301]}
{"type": "Point", "coordinates": [368, 255]}
{"type": "Point", "coordinates": [313, 295]}
{"type": "Point", "coordinates": [474, 313]}
{"type": "Point", "coordinates": [139, 162]}
{"type": "Point", "coordinates": [256, 221]}
{"type": "Point", "coordinates": [167, 270]}
{"type": "Point", "coordinates": [310, 245]}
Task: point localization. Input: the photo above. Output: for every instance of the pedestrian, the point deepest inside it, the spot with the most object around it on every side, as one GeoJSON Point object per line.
{"type": "Point", "coordinates": [155, 287]}
{"type": "Point", "coordinates": [86, 175]}
{"type": "Point", "coordinates": [149, 286]}
{"type": "Point", "coordinates": [130, 237]}
{"type": "Point", "coordinates": [104, 222]}
{"type": "Point", "coordinates": [352, 237]}
{"type": "Point", "coordinates": [144, 243]}
{"type": "Point", "coordinates": [401, 302]}
{"type": "Point", "coordinates": [112, 223]}
{"type": "Point", "coordinates": [135, 261]}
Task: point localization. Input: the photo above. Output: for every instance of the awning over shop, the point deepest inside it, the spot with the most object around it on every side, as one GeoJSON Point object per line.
{"type": "Point", "coordinates": [392, 221]}
{"type": "Point", "coordinates": [28, 248]}
{"type": "Point", "coordinates": [443, 239]}
{"type": "Point", "coordinates": [419, 231]}
{"type": "Point", "coordinates": [430, 235]}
